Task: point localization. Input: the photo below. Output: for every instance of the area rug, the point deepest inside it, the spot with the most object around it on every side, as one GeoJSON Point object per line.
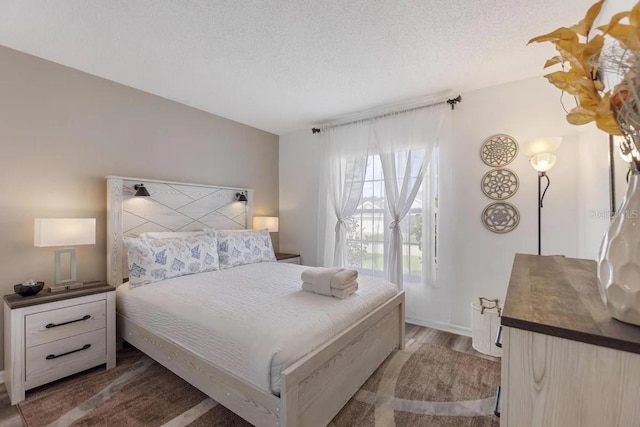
{"type": "Point", "coordinates": [422, 385]}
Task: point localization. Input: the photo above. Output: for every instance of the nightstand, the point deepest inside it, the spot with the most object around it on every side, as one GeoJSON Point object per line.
{"type": "Point", "coordinates": [50, 336]}
{"type": "Point", "coordinates": [289, 258]}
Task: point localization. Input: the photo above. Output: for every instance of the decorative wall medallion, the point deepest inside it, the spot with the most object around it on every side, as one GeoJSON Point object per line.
{"type": "Point", "coordinates": [500, 184]}
{"type": "Point", "coordinates": [499, 150]}
{"type": "Point", "coordinates": [500, 217]}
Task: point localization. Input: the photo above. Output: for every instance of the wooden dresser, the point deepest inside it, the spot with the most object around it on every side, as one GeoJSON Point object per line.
{"type": "Point", "coordinates": [565, 361]}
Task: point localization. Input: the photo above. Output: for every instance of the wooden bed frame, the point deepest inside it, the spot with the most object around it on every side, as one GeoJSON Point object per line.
{"type": "Point", "coordinates": [313, 390]}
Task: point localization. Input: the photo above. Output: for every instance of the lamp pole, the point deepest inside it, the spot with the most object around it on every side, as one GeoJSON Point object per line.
{"type": "Point", "coordinates": [541, 194]}
{"type": "Point", "coordinates": [539, 212]}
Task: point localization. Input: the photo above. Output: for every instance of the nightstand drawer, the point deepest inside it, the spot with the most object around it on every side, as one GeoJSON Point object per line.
{"type": "Point", "coordinates": [54, 325]}
{"type": "Point", "coordinates": [55, 360]}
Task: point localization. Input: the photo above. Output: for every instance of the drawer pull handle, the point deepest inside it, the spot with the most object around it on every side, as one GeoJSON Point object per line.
{"type": "Point", "coordinates": [55, 325]}
{"type": "Point", "coordinates": [55, 356]}
{"type": "Point", "coordinates": [496, 410]}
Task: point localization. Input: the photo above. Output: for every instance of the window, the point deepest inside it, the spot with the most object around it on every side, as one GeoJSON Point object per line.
{"type": "Point", "coordinates": [368, 229]}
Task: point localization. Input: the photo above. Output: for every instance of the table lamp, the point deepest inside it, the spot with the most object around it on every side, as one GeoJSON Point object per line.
{"type": "Point", "coordinates": [266, 222]}
{"type": "Point", "coordinates": [64, 232]}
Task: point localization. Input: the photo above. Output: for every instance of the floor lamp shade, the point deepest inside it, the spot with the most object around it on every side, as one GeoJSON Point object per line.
{"type": "Point", "coordinates": [541, 145]}
{"type": "Point", "coordinates": [64, 232]}
{"type": "Point", "coordinates": [266, 222]}
{"type": "Point", "coordinates": [543, 162]}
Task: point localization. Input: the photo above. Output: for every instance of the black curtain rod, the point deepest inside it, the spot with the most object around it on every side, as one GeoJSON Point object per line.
{"type": "Point", "coordinates": [451, 101]}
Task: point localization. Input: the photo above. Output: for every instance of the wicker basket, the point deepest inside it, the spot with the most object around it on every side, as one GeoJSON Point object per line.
{"type": "Point", "coordinates": [485, 321]}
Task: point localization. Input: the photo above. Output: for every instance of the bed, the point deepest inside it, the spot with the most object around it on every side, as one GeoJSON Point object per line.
{"type": "Point", "coordinates": [281, 357]}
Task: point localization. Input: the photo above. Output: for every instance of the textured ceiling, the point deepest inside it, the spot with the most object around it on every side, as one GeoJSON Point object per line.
{"type": "Point", "coordinates": [280, 65]}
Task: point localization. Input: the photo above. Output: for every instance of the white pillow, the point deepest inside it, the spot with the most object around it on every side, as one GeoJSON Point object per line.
{"type": "Point", "coordinates": [151, 260]}
{"type": "Point", "coordinates": [170, 234]}
{"type": "Point", "coordinates": [238, 247]}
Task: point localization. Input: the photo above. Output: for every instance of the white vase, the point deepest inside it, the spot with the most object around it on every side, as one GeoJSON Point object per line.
{"type": "Point", "coordinates": [619, 259]}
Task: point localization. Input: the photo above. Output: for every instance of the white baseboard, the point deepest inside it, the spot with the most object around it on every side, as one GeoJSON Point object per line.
{"type": "Point", "coordinates": [447, 327]}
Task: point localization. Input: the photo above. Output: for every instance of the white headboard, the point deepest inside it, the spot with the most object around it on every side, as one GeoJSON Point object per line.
{"type": "Point", "coordinates": [172, 206]}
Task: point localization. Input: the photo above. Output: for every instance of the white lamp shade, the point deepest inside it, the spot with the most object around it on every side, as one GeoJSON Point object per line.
{"type": "Point", "coordinates": [541, 145]}
{"type": "Point", "coordinates": [266, 222]}
{"type": "Point", "coordinates": [64, 231]}
{"type": "Point", "coordinates": [543, 162]}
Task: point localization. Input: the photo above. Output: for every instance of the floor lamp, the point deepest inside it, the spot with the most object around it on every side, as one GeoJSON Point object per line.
{"type": "Point", "coordinates": [541, 153]}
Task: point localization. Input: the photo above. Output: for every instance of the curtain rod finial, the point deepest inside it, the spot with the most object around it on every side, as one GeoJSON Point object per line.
{"type": "Point", "coordinates": [454, 101]}
{"type": "Point", "coordinates": [315, 130]}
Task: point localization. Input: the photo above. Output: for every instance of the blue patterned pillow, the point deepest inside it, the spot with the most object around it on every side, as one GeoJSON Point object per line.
{"type": "Point", "coordinates": [151, 260]}
{"type": "Point", "coordinates": [244, 247]}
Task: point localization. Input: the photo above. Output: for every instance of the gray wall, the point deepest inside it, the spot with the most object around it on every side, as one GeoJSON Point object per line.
{"type": "Point", "coordinates": [62, 131]}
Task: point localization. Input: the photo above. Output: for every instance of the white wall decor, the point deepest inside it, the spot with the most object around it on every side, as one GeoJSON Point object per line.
{"type": "Point", "coordinates": [500, 184]}
{"type": "Point", "coordinates": [501, 217]}
{"type": "Point", "coordinates": [499, 150]}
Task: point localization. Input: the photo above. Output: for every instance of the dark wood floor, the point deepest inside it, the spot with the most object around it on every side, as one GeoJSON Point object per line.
{"type": "Point", "coordinates": [9, 416]}
{"type": "Point", "coordinates": [444, 339]}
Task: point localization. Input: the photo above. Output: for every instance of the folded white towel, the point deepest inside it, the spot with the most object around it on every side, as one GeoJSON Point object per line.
{"type": "Point", "coordinates": [311, 275]}
{"type": "Point", "coordinates": [320, 278]}
{"type": "Point", "coordinates": [338, 293]}
{"type": "Point", "coordinates": [344, 293]}
{"type": "Point", "coordinates": [345, 285]}
{"type": "Point", "coordinates": [339, 278]}
{"type": "Point", "coordinates": [343, 279]}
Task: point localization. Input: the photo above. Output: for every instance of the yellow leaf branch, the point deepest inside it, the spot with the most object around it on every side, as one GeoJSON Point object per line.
{"type": "Point", "coordinates": [579, 58]}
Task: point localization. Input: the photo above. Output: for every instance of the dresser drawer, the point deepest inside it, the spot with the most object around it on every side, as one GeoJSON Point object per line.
{"type": "Point", "coordinates": [57, 359]}
{"type": "Point", "coordinates": [53, 325]}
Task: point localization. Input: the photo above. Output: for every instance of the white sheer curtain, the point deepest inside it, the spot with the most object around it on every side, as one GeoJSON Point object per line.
{"type": "Point", "coordinates": [343, 166]}
{"type": "Point", "coordinates": [405, 141]}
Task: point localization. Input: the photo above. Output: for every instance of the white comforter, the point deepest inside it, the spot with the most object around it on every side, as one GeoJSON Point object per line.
{"type": "Point", "coordinates": [252, 320]}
